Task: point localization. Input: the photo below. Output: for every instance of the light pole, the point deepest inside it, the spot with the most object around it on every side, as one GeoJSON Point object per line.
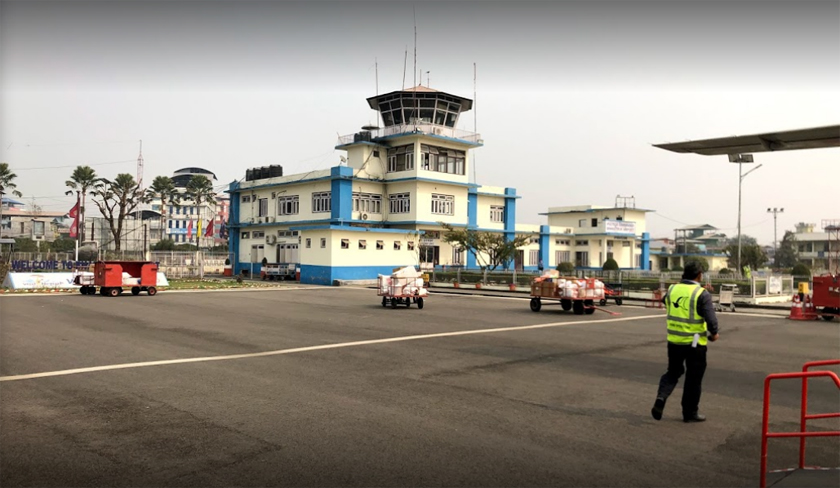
{"type": "Point", "coordinates": [775, 212]}
{"type": "Point", "coordinates": [741, 159]}
{"type": "Point", "coordinates": [1, 210]}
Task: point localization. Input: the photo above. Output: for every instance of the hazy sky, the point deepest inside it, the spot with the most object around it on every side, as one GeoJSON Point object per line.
{"type": "Point", "coordinates": [571, 95]}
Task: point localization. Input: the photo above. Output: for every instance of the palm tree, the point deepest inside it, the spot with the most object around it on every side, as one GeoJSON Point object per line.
{"type": "Point", "coordinates": [7, 180]}
{"type": "Point", "coordinates": [163, 187]}
{"type": "Point", "coordinates": [6, 183]}
{"type": "Point", "coordinates": [82, 180]}
{"type": "Point", "coordinates": [116, 200]}
{"type": "Point", "coordinates": [200, 190]}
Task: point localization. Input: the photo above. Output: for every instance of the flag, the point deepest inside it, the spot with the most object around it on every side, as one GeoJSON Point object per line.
{"type": "Point", "coordinates": [189, 230]}
{"type": "Point", "coordinates": [209, 231]}
{"type": "Point", "coordinates": [198, 234]}
{"type": "Point", "coordinates": [74, 226]}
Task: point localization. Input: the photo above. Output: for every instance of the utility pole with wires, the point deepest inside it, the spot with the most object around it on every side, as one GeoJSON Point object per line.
{"type": "Point", "coordinates": [775, 212]}
{"type": "Point", "coordinates": [140, 167]}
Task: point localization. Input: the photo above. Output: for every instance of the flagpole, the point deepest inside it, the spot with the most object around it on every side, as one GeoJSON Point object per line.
{"type": "Point", "coordinates": [76, 221]}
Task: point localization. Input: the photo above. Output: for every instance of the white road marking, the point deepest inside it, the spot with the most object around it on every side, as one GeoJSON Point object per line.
{"type": "Point", "coordinates": [190, 290]}
{"type": "Point", "coordinates": [322, 347]}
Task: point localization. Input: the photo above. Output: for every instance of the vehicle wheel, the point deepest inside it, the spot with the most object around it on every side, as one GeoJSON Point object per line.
{"type": "Point", "coordinates": [536, 305]}
{"type": "Point", "coordinates": [420, 303]}
{"type": "Point", "coordinates": [384, 301]}
{"type": "Point", "coordinates": [135, 290]}
{"type": "Point", "coordinates": [103, 291]}
{"type": "Point", "coordinates": [619, 301]}
{"type": "Point", "coordinates": [602, 302]}
{"type": "Point", "coordinates": [91, 290]}
{"type": "Point", "coordinates": [152, 291]}
{"type": "Point", "coordinates": [828, 317]}
{"type": "Point", "coordinates": [588, 307]}
{"type": "Point", "coordinates": [113, 292]}
{"type": "Point", "coordinates": [408, 303]}
{"type": "Point", "coordinates": [566, 304]}
{"type": "Point", "coordinates": [577, 307]}
{"type": "Point", "coordinates": [83, 290]}
{"type": "Point", "coordinates": [393, 303]}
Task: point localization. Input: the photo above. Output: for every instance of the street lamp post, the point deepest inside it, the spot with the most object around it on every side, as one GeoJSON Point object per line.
{"type": "Point", "coordinates": [741, 159]}
{"type": "Point", "coordinates": [775, 212]}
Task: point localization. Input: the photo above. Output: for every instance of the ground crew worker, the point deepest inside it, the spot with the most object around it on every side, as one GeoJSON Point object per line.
{"type": "Point", "coordinates": [691, 323]}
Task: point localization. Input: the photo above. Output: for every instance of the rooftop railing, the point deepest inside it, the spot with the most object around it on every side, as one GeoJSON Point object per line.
{"type": "Point", "coordinates": [416, 128]}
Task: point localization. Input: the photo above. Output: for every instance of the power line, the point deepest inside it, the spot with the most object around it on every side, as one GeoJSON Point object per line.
{"type": "Point", "coordinates": [74, 165]}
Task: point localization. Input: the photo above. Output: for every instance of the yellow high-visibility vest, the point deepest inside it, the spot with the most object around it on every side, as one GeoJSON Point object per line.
{"type": "Point", "coordinates": [683, 321]}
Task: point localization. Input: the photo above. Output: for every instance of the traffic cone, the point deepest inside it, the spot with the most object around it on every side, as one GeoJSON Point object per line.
{"type": "Point", "coordinates": [796, 309]}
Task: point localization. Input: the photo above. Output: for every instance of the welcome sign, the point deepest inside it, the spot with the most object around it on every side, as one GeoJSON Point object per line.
{"type": "Point", "coordinates": [55, 281]}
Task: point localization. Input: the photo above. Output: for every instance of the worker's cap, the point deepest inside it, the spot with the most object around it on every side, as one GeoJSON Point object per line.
{"type": "Point", "coordinates": [692, 270]}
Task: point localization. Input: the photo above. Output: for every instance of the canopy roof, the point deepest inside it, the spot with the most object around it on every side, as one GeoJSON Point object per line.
{"type": "Point", "coordinates": [813, 138]}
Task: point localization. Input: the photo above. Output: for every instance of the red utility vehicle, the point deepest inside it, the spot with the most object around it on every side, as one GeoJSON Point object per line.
{"type": "Point", "coordinates": [826, 296]}
{"type": "Point", "coordinates": [113, 276]}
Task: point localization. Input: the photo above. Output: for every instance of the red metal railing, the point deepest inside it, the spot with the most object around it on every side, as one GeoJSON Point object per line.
{"type": "Point", "coordinates": [803, 414]}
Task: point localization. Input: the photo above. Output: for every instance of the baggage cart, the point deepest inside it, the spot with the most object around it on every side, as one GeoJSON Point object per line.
{"type": "Point", "coordinates": [112, 277]}
{"type": "Point", "coordinates": [726, 299]}
{"type": "Point", "coordinates": [400, 291]}
{"type": "Point", "coordinates": [579, 300]}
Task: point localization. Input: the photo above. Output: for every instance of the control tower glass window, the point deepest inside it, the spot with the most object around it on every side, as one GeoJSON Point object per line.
{"type": "Point", "coordinates": [419, 108]}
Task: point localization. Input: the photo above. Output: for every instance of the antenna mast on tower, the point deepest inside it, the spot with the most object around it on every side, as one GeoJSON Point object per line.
{"type": "Point", "coordinates": [140, 167]}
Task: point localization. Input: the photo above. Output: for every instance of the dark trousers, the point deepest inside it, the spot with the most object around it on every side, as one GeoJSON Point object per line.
{"type": "Point", "coordinates": [694, 359]}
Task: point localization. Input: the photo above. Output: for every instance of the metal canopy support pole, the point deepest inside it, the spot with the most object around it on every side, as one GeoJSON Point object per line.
{"type": "Point", "coordinates": [740, 180]}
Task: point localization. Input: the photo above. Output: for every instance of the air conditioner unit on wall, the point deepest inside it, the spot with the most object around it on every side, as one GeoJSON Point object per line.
{"type": "Point", "coordinates": [269, 219]}
{"type": "Point", "coordinates": [270, 239]}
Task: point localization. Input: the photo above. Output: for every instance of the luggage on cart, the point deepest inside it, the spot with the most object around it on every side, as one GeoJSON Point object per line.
{"type": "Point", "coordinates": [404, 287]}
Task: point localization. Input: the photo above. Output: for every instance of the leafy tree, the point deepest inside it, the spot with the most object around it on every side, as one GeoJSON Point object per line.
{"type": "Point", "coordinates": [490, 249]}
{"type": "Point", "coordinates": [7, 179]}
{"type": "Point", "coordinates": [116, 199]}
{"type": "Point", "coordinates": [82, 180]}
{"type": "Point", "coordinates": [164, 245]}
{"type": "Point", "coordinates": [566, 268]}
{"type": "Point", "coordinates": [704, 264]}
{"type": "Point", "coordinates": [800, 269]}
{"type": "Point", "coordinates": [163, 187]}
{"type": "Point", "coordinates": [62, 245]}
{"type": "Point", "coordinates": [745, 240]}
{"type": "Point", "coordinates": [25, 244]}
{"type": "Point", "coordinates": [752, 255]}
{"type": "Point", "coordinates": [787, 255]}
{"type": "Point", "coordinates": [200, 191]}
{"type": "Point", "coordinates": [725, 271]}
{"type": "Point", "coordinates": [610, 265]}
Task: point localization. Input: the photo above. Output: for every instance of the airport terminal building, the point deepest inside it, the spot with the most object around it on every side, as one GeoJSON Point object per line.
{"type": "Point", "coordinates": [383, 207]}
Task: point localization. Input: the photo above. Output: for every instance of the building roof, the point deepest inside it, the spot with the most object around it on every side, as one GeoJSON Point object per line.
{"type": "Point", "coordinates": [698, 227]}
{"type": "Point", "coordinates": [588, 209]}
{"type": "Point", "coordinates": [466, 103]}
{"type": "Point", "coordinates": [812, 236]}
{"type": "Point", "coordinates": [9, 201]}
{"type": "Point", "coordinates": [194, 171]}
{"type": "Point", "coordinates": [811, 138]}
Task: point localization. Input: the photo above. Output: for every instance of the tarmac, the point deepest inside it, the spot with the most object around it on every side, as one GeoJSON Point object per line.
{"type": "Point", "coordinates": [325, 387]}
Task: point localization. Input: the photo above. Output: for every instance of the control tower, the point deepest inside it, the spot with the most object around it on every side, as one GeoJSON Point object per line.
{"type": "Point", "coordinates": [419, 135]}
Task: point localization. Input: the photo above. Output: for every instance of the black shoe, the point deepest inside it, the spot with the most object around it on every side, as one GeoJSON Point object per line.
{"type": "Point", "coordinates": [658, 408]}
{"type": "Point", "coordinates": [695, 418]}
